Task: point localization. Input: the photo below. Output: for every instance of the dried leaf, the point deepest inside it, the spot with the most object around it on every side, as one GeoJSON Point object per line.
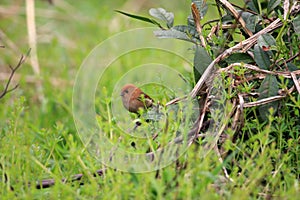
{"type": "Point", "coordinates": [201, 6]}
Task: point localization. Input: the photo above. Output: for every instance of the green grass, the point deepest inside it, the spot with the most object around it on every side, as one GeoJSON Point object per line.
{"type": "Point", "coordinates": [39, 140]}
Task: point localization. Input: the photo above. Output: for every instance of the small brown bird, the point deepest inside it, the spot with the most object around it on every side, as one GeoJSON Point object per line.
{"type": "Point", "coordinates": [134, 98]}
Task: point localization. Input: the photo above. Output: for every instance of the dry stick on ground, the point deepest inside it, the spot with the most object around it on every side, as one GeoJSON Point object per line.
{"type": "Point", "coordinates": [13, 70]}
{"type": "Point", "coordinates": [50, 182]}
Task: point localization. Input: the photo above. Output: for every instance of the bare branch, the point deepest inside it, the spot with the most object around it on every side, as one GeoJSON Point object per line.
{"type": "Point", "coordinates": [236, 16]}
{"type": "Point", "coordinates": [13, 70]}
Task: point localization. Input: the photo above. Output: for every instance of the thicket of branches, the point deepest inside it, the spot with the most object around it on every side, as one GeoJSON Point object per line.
{"type": "Point", "coordinates": [253, 52]}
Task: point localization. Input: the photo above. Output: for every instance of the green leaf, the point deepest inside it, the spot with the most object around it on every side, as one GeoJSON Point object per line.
{"type": "Point", "coordinates": [269, 87]}
{"type": "Point", "coordinates": [172, 33]}
{"type": "Point", "coordinates": [266, 40]}
{"type": "Point", "coordinates": [296, 24]}
{"type": "Point", "coordinates": [141, 18]}
{"type": "Point", "coordinates": [182, 32]}
{"type": "Point", "coordinates": [189, 30]}
{"type": "Point", "coordinates": [202, 7]}
{"type": "Point", "coordinates": [261, 57]}
{"type": "Point", "coordinates": [250, 20]}
{"type": "Point", "coordinates": [291, 68]}
{"type": "Point", "coordinates": [201, 61]}
{"type": "Point", "coordinates": [253, 5]}
{"type": "Point", "coordinates": [190, 20]}
{"type": "Point", "coordinates": [272, 5]}
{"type": "Point", "coordinates": [163, 15]}
{"type": "Point", "coordinates": [239, 58]}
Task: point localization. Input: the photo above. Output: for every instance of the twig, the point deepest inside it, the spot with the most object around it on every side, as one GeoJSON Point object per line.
{"type": "Point", "coordinates": [285, 74]}
{"type": "Point", "coordinates": [13, 70]}
{"type": "Point", "coordinates": [237, 16]}
{"type": "Point", "coordinates": [290, 59]}
{"type": "Point", "coordinates": [296, 82]}
{"type": "Point", "coordinates": [176, 100]}
{"type": "Point", "coordinates": [221, 161]}
{"type": "Point", "coordinates": [263, 101]}
{"type": "Point", "coordinates": [286, 7]}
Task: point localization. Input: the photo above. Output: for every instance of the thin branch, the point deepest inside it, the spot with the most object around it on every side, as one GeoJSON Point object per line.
{"type": "Point", "coordinates": [222, 163]}
{"type": "Point", "coordinates": [285, 74]}
{"type": "Point", "coordinates": [236, 15]}
{"type": "Point", "coordinates": [296, 82]}
{"type": "Point", "coordinates": [290, 59]}
{"type": "Point", "coordinates": [13, 70]}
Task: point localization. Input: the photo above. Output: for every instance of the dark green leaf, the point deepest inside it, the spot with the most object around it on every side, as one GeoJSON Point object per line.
{"type": "Point", "coordinates": [261, 57]}
{"type": "Point", "coordinates": [272, 5]}
{"type": "Point", "coordinates": [296, 24]}
{"type": "Point", "coordinates": [202, 7]}
{"type": "Point", "coordinates": [201, 61]}
{"type": "Point", "coordinates": [145, 19]}
{"type": "Point", "coordinates": [269, 87]}
{"type": "Point", "coordinates": [190, 20]}
{"type": "Point", "coordinates": [292, 67]}
{"type": "Point", "coordinates": [250, 20]}
{"type": "Point", "coordinates": [239, 58]}
{"type": "Point", "coordinates": [266, 40]}
{"type": "Point", "coordinates": [253, 5]}
{"type": "Point", "coordinates": [163, 15]}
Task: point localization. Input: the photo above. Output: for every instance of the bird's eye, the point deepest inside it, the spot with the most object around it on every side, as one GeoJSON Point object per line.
{"type": "Point", "coordinates": [126, 91]}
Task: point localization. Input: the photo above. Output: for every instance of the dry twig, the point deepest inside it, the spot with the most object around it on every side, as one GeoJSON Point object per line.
{"type": "Point", "coordinates": [13, 71]}
{"type": "Point", "coordinates": [236, 16]}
